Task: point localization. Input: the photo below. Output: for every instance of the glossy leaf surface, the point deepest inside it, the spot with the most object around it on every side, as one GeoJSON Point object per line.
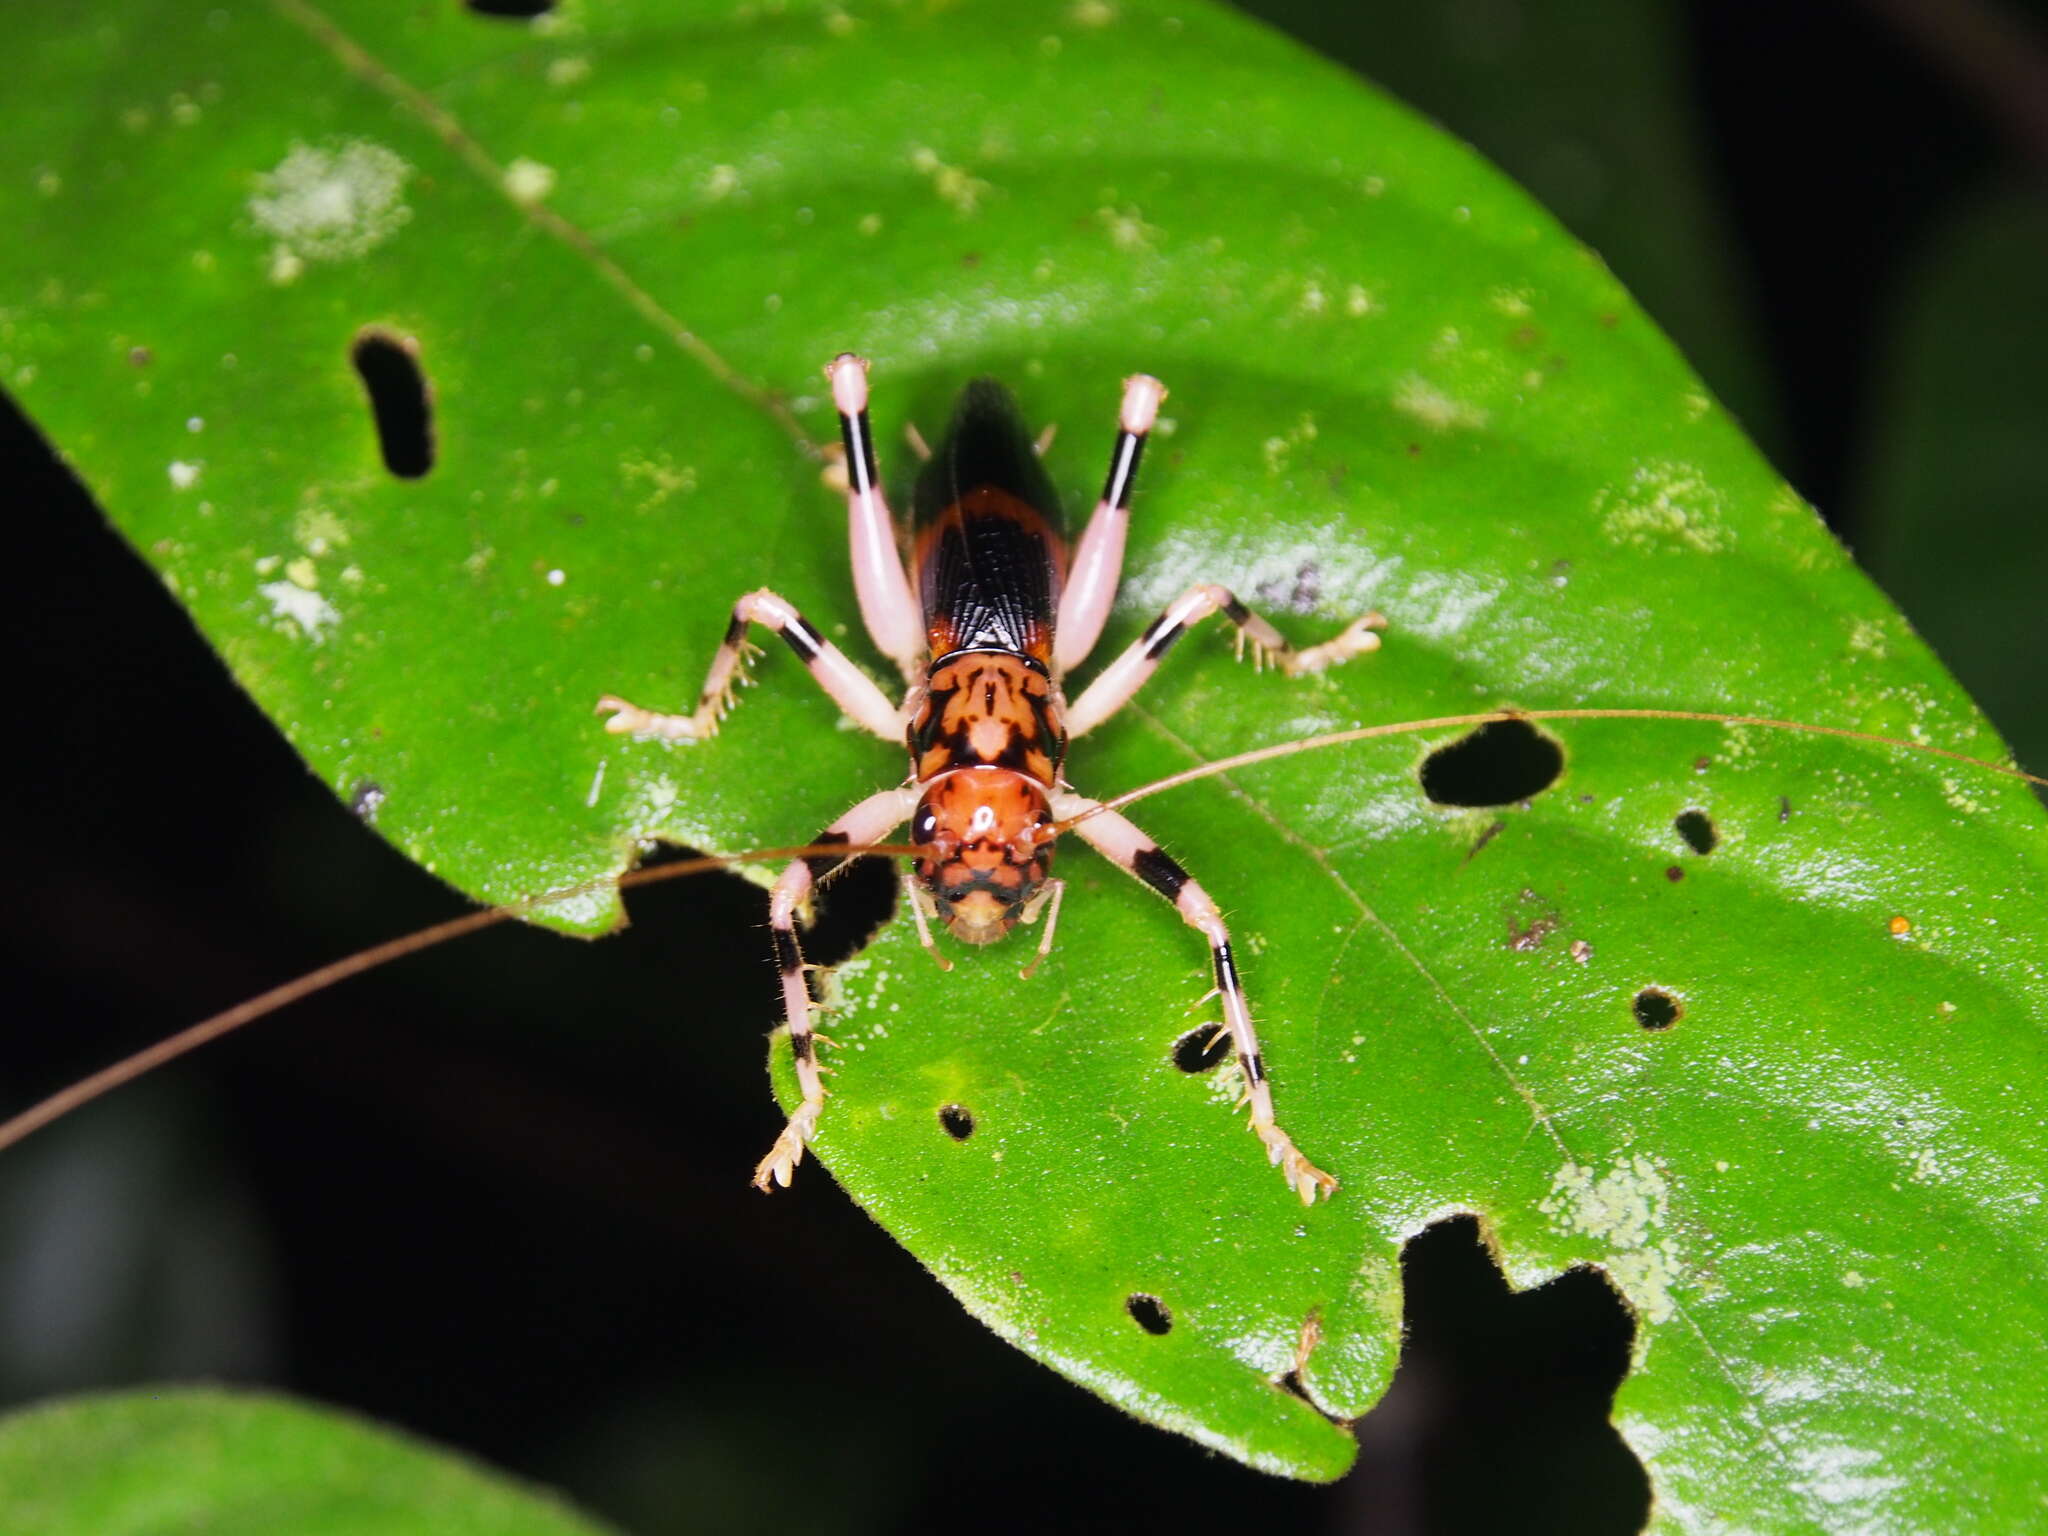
{"type": "Point", "coordinates": [151, 1463]}
{"type": "Point", "coordinates": [620, 243]}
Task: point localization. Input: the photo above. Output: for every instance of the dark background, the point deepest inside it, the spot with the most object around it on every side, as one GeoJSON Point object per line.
{"type": "Point", "coordinates": [496, 1198]}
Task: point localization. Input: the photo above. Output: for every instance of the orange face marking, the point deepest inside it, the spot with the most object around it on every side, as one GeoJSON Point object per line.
{"type": "Point", "coordinates": [986, 837]}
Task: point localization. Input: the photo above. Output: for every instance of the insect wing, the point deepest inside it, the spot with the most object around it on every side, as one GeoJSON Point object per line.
{"type": "Point", "coordinates": [991, 551]}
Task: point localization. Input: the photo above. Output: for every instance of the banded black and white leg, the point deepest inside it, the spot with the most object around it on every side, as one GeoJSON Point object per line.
{"type": "Point", "coordinates": [868, 822]}
{"type": "Point", "coordinates": [851, 689]}
{"type": "Point", "coordinates": [1115, 685]}
{"type": "Point", "coordinates": [1097, 566]}
{"type": "Point", "coordinates": [1124, 845]}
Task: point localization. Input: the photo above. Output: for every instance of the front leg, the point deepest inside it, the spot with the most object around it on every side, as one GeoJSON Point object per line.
{"type": "Point", "coordinates": [869, 822]}
{"type": "Point", "coordinates": [1122, 678]}
{"type": "Point", "coordinates": [851, 689]}
{"type": "Point", "coordinates": [1124, 845]}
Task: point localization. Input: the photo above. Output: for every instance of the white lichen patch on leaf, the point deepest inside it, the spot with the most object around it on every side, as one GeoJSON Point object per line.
{"type": "Point", "coordinates": [1278, 451]}
{"type": "Point", "coordinates": [953, 184]}
{"type": "Point", "coordinates": [1416, 397]}
{"type": "Point", "coordinates": [1664, 505]}
{"type": "Point", "coordinates": [1512, 302]}
{"type": "Point", "coordinates": [1867, 636]}
{"type": "Point", "coordinates": [1226, 1083]}
{"type": "Point", "coordinates": [572, 69]}
{"type": "Point", "coordinates": [318, 531]}
{"type": "Point", "coordinates": [1127, 228]}
{"type": "Point", "coordinates": [182, 474]}
{"type": "Point", "coordinates": [330, 204]}
{"type": "Point", "coordinates": [653, 481]}
{"type": "Point", "coordinates": [1626, 1211]}
{"type": "Point", "coordinates": [528, 181]}
{"type": "Point", "coordinates": [292, 604]}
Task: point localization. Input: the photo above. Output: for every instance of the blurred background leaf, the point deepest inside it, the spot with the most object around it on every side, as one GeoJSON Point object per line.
{"type": "Point", "coordinates": [163, 1463]}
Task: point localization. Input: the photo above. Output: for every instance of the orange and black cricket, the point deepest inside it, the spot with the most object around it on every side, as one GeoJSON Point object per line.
{"type": "Point", "coordinates": [991, 614]}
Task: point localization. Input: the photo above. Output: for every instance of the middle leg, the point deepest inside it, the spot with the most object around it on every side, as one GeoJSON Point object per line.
{"type": "Point", "coordinates": [851, 689]}
{"type": "Point", "coordinates": [1124, 845]}
{"type": "Point", "coordinates": [1116, 683]}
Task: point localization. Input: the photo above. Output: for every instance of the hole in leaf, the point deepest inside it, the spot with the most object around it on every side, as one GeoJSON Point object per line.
{"type": "Point", "coordinates": [513, 10]}
{"type": "Point", "coordinates": [1500, 763]}
{"type": "Point", "coordinates": [1657, 1009]}
{"type": "Point", "coordinates": [390, 371]}
{"type": "Point", "coordinates": [849, 909]}
{"type": "Point", "coordinates": [1697, 828]}
{"type": "Point", "coordinates": [1149, 1312]}
{"type": "Point", "coordinates": [958, 1120]}
{"type": "Point", "coordinates": [1497, 1418]}
{"type": "Point", "coordinates": [1201, 1050]}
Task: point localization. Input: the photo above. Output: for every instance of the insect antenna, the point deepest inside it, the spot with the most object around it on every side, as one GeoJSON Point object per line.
{"type": "Point", "coordinates": [207, 1030]}
{"type": "Point", "coordinates": [1505, 716]}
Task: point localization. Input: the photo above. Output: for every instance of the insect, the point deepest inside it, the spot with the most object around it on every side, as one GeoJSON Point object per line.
{"type": "Point", "coordinates": [984, 625]}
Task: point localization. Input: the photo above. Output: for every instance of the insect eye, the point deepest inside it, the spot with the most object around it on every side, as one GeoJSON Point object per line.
{"type": "Point", "coordinates": [924, 824]}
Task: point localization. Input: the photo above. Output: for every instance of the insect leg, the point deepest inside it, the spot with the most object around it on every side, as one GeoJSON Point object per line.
{"type": "Point", "coordinates": [1124, 845]}
{"type": "Point", "coordinates": [886, 605]}
{"type": "Point", "coordinates": [1117, 682]}
{"type": "Point", "coordinates": [924, 909]}
{"type": "Point", "coordinates": [851, 689]}
{"type": "Point", "coordinates": [1099, 557]}
{"type": "Point", "coordinates": [870, 821]}
{"type": "Point", "coordinates": [1054, 891]}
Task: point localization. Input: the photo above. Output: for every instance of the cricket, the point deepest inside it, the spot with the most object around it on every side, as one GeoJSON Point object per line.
{"type": "Point", "coordinates": [984, 626]}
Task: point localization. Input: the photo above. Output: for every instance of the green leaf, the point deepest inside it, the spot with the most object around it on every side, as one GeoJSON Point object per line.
{"type": "Point", "coordinates": [146, 1462]}
{"type": "Point", "coordinates": [622, 243]}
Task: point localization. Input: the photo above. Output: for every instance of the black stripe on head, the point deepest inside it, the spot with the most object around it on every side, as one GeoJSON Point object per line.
{"type": "Point", "coordinates": [802, 639]}
{"type": "Point", "coordinates": [1236, 612]}
{"type": "Point", "coordinates": [736, 631]}
{"type": "Point", "coordinates": [1152, 866]}
{"type": "Point", "coordinates": [1226, 971]}
{"type": "Point", "coordinates": [1160, 637]}
{"type": "Point", "coordinates": [788, 957]}
{"type": "Point", "coordinates": [802, 1046]}
{"type": "Point", "coordinates": [1123, 469]}
{"type": "Point", "coordinates": [822, 864]}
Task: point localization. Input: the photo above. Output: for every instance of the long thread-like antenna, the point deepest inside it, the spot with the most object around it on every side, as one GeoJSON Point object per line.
{"type": "Point", "coordinates": [1503, 716]}
{"type": "Point", "coordinates": [206, 1031]}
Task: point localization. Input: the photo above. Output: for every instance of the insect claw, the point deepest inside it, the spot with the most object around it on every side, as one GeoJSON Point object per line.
{"type": "Point", "coordinates": [1303, 1176]}
{"type": "Point", "coordinates": [788, 1150]}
